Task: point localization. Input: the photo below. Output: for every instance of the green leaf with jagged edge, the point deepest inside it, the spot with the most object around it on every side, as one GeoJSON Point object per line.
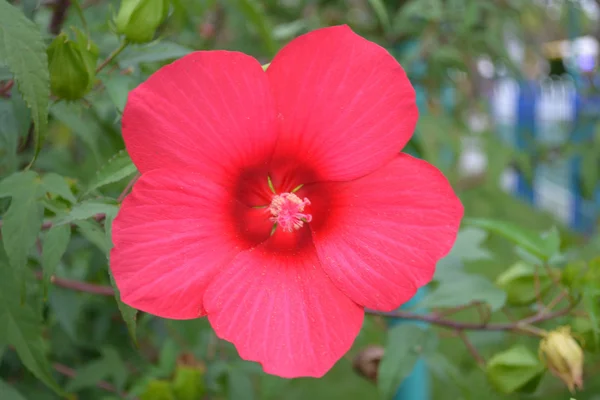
{"type": "Point", "coordinates": [23, 220]}
{"type": "Point", "coordinates": [117, 168]}
{"type": "Point", "coordinates": [23, 50]}
{"type": "Point", "coordinates": [129, 314]}
{"type": "Point", "coordinates": [87, 209]}
{"type": "Point", "coordinates": [56, 241]}
{"type": "Point", "coordinates": [22, 328]}
{"type": "Point", "coordinates": [405, 345]}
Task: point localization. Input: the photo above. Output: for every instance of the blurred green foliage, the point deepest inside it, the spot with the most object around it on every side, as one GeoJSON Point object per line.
{"type": "Point", "coordinates": [62, 328]}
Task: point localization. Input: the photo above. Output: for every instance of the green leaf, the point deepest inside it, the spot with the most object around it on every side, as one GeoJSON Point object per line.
{"type": "Point", "coordinates": [158, 51]}
{"type": "Point", "coordinates": [460, 288]}
{"type": "Point", "coordinates": [129, 314]}
{"type": "Point", "coordinates": [87, 209]}
{"type": "Point", "coordinates": [447, 371]}
{"type": "Point", "coordinates": [55, 244]}
{"type": "Point", "coordinates": [257, 17]}
{"type": "Point", "coordinates": [117, 168]}
{"type": "Point", "coordinates": [405, 344]}
{"type": "Point", "coordinates": [67, 307]}
{"type": "Point", "coordinates": [384, 19]}
{"type": "Point", "coordinates": [520, 282]}
{"type": "Point", "coordinates": [468, 247]}
{"type": "Point", "coordinates": [529, 240]}
{"type": "Point", "coordinates": [88, 375]}
{"type": "Point", "coordinates": [239, 385]}
{"type": "Point", "coordinates": [22, 49]}
{"type": "Point", "coordinates": [21, 327]}
{"type": "Point", "coordinates": [93, 232]}
{"type": "Point", "coordinates": [57, 184]}
{"type": "Point", "coordinates": [118, 87]}
{"type": "Point", "coordinates": [515, 370]}
{"type": "Point", "coordinates": [7, 392]}
{"type": "Point", "coordinates": [80, 121]}
{"type": "Point", "coordinates": [110, 365]}
{"type": "Point", "coordinates": [9, 137]}
{"type": "Point", "coordinates": [23, 220]}
{"type": "Point", "coordinates": [591, 303]}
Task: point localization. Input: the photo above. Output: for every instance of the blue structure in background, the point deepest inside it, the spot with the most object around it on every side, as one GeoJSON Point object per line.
{"type": "Point", "coordinates": [525, 137]}
{"type": "Point", "coordinates": [417, 385]}
{"type": "Point", "coordinates": [585, 116]}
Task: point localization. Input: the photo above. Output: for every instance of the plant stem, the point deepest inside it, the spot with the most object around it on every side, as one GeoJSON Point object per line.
{"type": "Point", "coordinates": [112, 56]}
{"type": "Point", "coordinates": [59, 15]}
{"type": "Point", "coordinates": [517, 326]}
{"type": "Point", "coordinates": [471, 348]}
{"type": "Point", "coordinates": [128, 188]}
{"type": "Point", "coordinates": [79, 286]}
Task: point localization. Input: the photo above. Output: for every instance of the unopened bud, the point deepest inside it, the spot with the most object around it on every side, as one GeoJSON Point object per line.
{"type": "Point", "coordinates": [139, 19]}
{"type": "Point", "coordinates": [72, 66]}
{"type": "Point", "coordinates": [563, 357]}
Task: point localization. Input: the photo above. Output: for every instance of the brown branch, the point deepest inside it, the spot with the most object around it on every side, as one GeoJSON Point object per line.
{"type": "Point", "coordinates": [128, 187]}
{"type": "Point", "coordinates": [5, 89]}
{"type": "Point", "coordinates": [517, 326]}
{"type": "Point", "coordinates": [59, 15]}
{"type": "Point", "coordinates": [102, 290]}
{"type": "Point", "coordinates": [471, 348]}
{"type": "Point", "coordinates": [454, 310]}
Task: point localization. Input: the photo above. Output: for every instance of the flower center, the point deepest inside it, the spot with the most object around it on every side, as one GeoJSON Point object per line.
{"type": "Point", "coordinates": [287, 211]}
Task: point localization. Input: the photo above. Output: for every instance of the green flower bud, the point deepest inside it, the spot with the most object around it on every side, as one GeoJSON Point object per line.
{"type": "Point", "coordinates": [158, 390]}
{"type": "Point", "coordinates": [563, 357]}
{"type": "Point", "coordinates": [139, 19]}
{"type": "Point", "coordinates": [72, 66]}
{"type": "Point", "coordinates": [188, 383]}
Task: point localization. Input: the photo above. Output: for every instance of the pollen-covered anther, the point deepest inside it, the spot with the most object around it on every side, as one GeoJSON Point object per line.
{"type": "Point", "coordinates": [287, 211]}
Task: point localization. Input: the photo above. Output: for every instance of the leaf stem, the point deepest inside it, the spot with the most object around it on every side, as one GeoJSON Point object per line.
{"type": "Point", "coordinates": [112, 56]}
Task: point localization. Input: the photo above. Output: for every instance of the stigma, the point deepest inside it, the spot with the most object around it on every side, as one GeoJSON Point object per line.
{"type": "Point", "coordinates": [287, 211]}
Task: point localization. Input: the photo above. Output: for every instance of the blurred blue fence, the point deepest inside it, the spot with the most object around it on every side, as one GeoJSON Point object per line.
{"type": "Point", "coordinates": [549, 114]}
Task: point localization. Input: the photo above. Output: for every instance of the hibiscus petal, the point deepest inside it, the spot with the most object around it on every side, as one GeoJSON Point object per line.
{"type": "Point", "coordinates": [208, 112]}
{"type": "Point", "coordinates": [344, 103]}
{"type": "Point", "coordinates": [281, 310]}
{"type": "Point", "coordinates": [386, 231]}
{"type": "Point", "coordinates": [171, 237]}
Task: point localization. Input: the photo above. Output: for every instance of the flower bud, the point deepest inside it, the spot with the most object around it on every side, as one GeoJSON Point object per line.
{"type": "Point", "coordinates": [563, 357]}
{"type": "Point", "coordinates": [139, 19]}
{"type": "Point", "coordinates": [72, 66]}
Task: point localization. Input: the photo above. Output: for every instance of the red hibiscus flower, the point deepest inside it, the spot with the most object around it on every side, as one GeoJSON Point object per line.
{"type": "Point", "coordinates": [278, 203]}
